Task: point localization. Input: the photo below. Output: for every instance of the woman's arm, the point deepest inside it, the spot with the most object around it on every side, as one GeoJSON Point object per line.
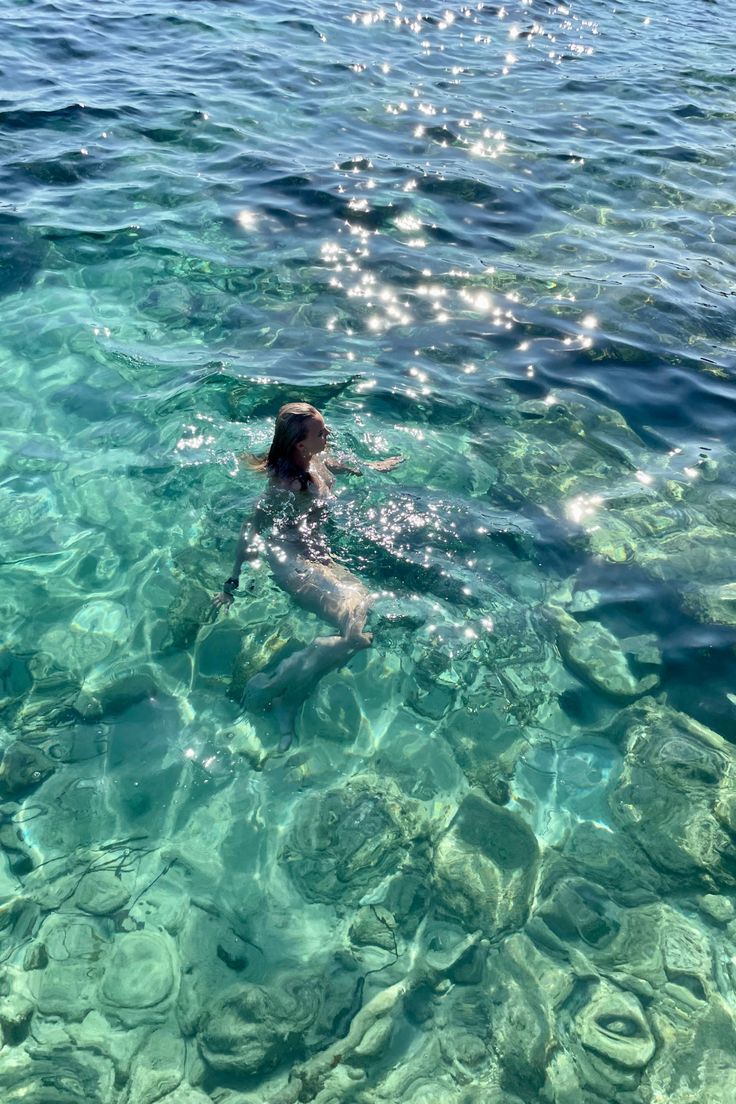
{"type": "Point", "coordinates": [352, 469]}
{"type": "Point", "coordinates": [249, 548]}
{"type": "Point", "coordinates": [250, 545]}
{"type": "Point", "coordinates": [385, 465]}
{"type": "Point", "coordinates": [334, 465]}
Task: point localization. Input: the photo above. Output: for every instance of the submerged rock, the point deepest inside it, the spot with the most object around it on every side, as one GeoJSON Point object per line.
{"type": "Point", "coordinates": [190, 610]}
{"type": "Point", "coordinates": [575, 914]}
{"type": "Point", "coordinates": [525, 988]}
{"type": "Point", "coordinates": [23, 767]}
{"type": "Point", "coordinates": [89, 637]}
{"type": "Point", "coordinates": [16, 1006]}
{"type": "Point", "coordinates": [486, 747]}
{"type": "Point", "coordinates": [115, 697]}
{"type": "Point", "coordinates": [346, 841]}
{"type": "Point", "coordinates": [720, 909]}
{"type": "Point", "coordinates": [714, 605]}
{"type": "Point", "coordinates": [259, 647]}
{"type": "Point", "coordinates": [61, 1076]}
{"type": "Point", "coordinates": [185, 1094]}
{"type": "Point", "coordinates": [371, 1029]}
{"type": "Point", "coordinates": [140, 978]}
{"type": "Point", "coordinates": [158, 1069]}
{"type": "Point", "coordinates": [66, 987]}
{"type": "Point", "coordinates": [36, 957]}
{"type": "Point", "coordinates": [676, 795]}
{"type": "Point", "coordinates": [696, 551]}
{"type": "Point", "coordinates": [374, 926]}
{"type": "Point", "coordinates": [249, 1029]}
{"type": "Point", "coordinates": [101, 893]}
{"type": "Point", "coordinates": [630, 1016]}
{"type": "Point", "coordinates": [17, 852]}
{"type": "Point", "coordinates": [592, 652]}
{"type": "Point", "coordinates": [485, 867]}
{"type": "Point", "coordinates": [607, 1045]}
{"type": "Point", "coordinates": [614, 862]}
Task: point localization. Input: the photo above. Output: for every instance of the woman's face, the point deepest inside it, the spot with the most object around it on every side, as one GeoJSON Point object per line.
{"type": "Point", "coordinates": [316, 438]}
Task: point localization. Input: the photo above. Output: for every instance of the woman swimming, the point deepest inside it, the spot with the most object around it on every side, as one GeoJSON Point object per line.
{"type": "Point", "coordinates": [286, 527]}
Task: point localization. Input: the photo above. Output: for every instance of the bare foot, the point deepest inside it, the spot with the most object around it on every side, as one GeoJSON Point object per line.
{"type": "Point", "coordinates": [259, 692]}
{"type": "Point", "coordinates": [285, 713]}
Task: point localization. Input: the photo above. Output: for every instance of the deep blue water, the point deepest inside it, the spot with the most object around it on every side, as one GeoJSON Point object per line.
{"type": "Point", "coordinates": [496, 240]}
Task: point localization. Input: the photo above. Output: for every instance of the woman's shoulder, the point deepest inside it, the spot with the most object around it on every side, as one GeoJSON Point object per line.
{"type": "Point", "coordinates": [285, 483]}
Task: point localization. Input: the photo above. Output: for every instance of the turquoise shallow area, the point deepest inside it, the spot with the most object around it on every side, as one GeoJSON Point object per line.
{"type": "Point", "coordinates": [498, 864]}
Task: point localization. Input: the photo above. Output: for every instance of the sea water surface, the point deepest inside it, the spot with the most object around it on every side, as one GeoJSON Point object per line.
{"type": "Point", "coordinates": [498, 863]}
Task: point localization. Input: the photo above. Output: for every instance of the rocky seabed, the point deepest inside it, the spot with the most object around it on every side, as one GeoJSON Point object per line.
{"type": "Point", "coordinates": [450, 891]}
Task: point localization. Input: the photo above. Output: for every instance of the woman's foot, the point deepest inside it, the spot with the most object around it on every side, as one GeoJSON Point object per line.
{"type": "Point", "coordinates": [285, 713]}
{"type": "Point", "coordinates": [259, 693]}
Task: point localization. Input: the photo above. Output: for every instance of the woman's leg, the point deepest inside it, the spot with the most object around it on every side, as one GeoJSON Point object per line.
{"type": "Point", "coordinates": [327, 589]}
{"type": "Point", "coordinates": [338, 597]}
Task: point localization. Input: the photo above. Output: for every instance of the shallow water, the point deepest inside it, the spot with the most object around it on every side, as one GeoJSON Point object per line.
{"type": "Point", "coordinates": [498, 863]}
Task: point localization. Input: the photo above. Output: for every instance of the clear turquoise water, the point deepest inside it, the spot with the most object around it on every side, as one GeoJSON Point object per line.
{"type": "Point", "coordinates": [498, 864]}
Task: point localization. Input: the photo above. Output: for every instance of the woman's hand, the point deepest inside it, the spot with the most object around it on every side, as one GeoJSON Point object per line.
{"type": "Point", "coordinates": [388, 464]}
{"type": "Point", "coordinates": [222, 599]}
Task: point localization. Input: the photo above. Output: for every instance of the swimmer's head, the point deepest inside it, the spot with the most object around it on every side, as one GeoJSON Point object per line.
{"type": "Point", "coordinates": [315, 439]}
{"type": "Point", "coordinates": [299, 434]}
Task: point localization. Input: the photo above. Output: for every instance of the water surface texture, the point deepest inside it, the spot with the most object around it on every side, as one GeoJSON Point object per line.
{"type": "Point", "coordinates": [498, 864]}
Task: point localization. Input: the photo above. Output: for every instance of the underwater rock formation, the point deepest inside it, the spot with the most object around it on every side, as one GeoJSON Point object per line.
{"type": "Point", "coordinates": [249, 1029]}
{"type": "Point", "coordinates": [330, 1072]}
{"type": "Point", "coordinates": [640, 987]}
{"type": "Point", "coordinates": [260, 645]}
{"type": "Point", "coordinates": [23, 767]}
{"type": "Point", "coordinates": [57, 1074]}
{"type": "Point", "coordinates": [676, 794]}
{"type": "Point", "coordinates": [347, 840]}
{"type": "Point", "coordinates": [714, 604]}
{"type": "Point", "coordinates": [115, 695]}
{"type": "Point", "coordinates": [157, 1070]}
{"type": "Point", "coordinates": [486, 746]}
{"type": "Point", "coordinates": [606, 1045]}
{"type": "Point", "coordinates": [374, 926]}
{"type": "Point", "coordinates": [485, 867]}
{"type": "Point", "coordinates": [594, 653]}
{"type": "Point", "coordinates": [190, 610]}
{"type": "Point", "coordinates": [619, 865]}
{"type": "Point", "coordinates": [101, 893]}
{"type": "Point", "coordinates": [140, 980]}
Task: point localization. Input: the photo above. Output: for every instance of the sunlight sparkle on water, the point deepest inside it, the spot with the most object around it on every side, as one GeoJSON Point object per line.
{"type": "Point", "coordinates": [247, 219]}
{"type": "Point", "coordinates": [582, 507]}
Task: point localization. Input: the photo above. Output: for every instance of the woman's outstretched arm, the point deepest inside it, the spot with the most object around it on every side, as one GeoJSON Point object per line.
{"type": "Point", "coordinates": [338, 466]}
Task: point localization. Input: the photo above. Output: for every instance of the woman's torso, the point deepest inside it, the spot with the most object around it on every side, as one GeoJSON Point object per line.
{"type": "Point", "coordinates": [296, 516]}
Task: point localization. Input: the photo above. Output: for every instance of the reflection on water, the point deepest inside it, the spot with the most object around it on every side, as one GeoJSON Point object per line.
{"type": "Point", "coordinates": [498, 863]}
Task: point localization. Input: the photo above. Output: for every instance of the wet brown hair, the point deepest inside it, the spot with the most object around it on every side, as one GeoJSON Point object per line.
{"type": "Point", "coordinates": [292, 426]}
